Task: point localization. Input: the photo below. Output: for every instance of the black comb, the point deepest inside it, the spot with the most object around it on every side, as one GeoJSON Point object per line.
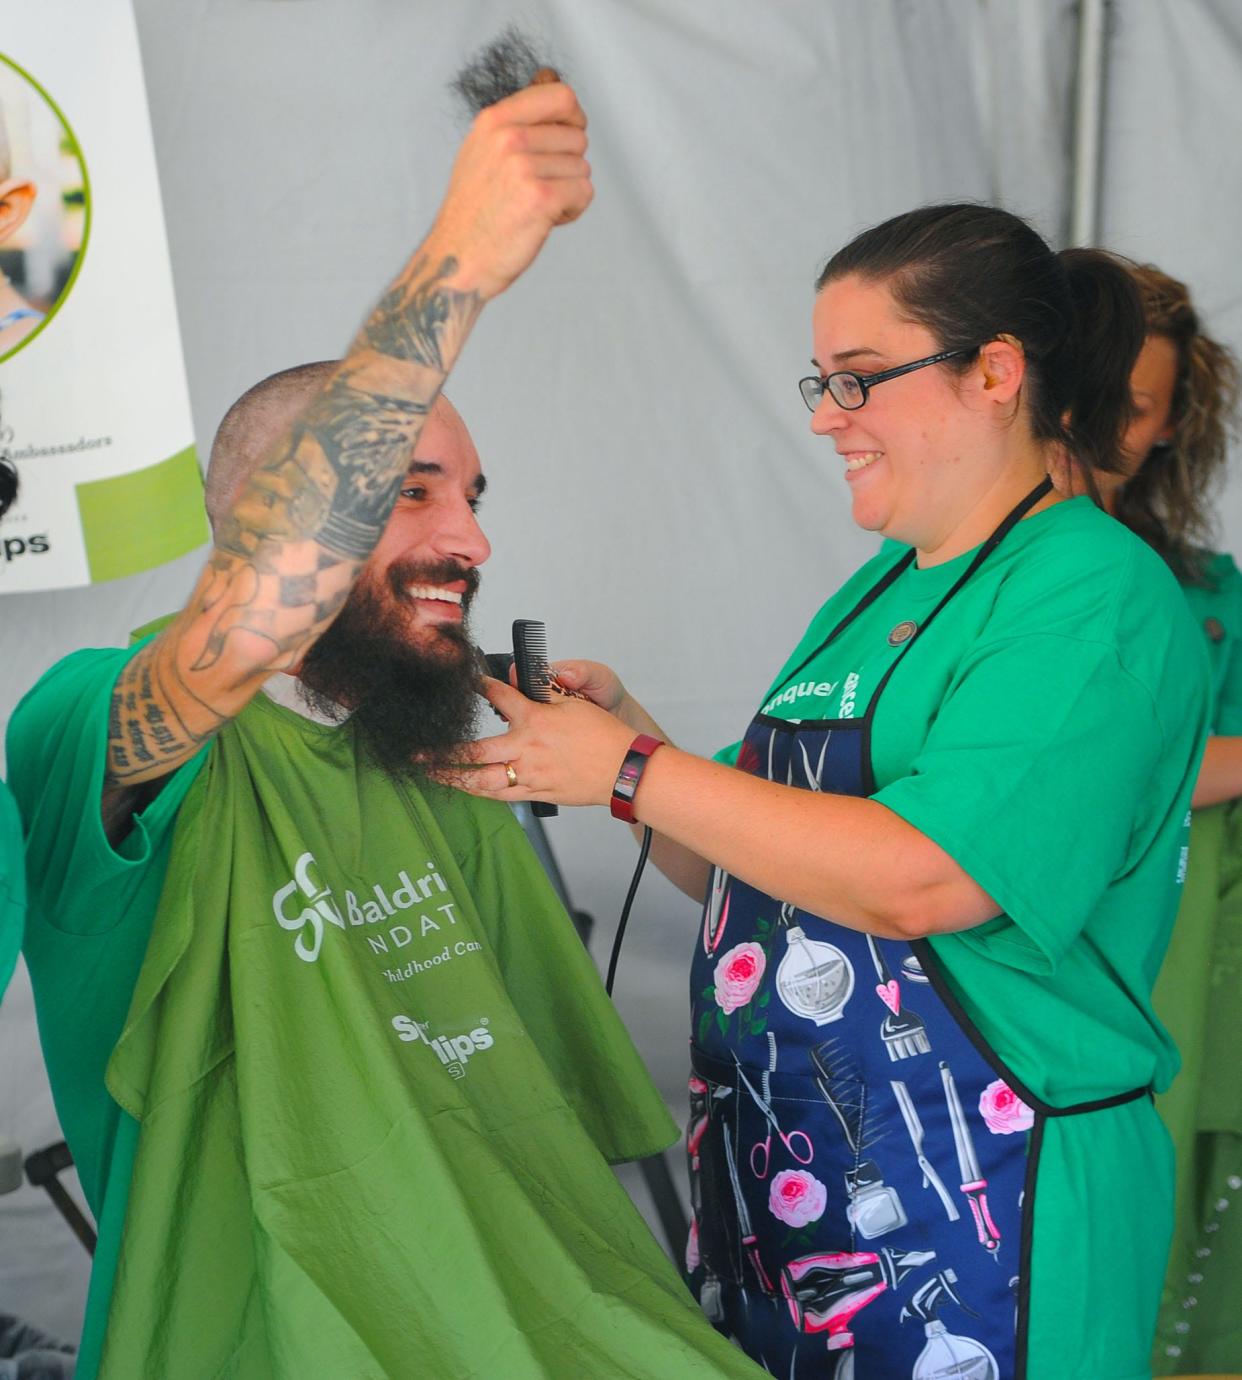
{"type": "Point", "coordinates": [534, 677]}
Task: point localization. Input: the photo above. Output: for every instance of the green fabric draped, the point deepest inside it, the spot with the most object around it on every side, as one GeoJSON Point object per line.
{"type": "Point", "coordinates": [1200, 1327]}
{"type": "Point", "coordinates": [378, 1084]}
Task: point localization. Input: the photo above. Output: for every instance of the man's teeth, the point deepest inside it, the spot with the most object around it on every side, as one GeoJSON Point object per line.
{"type": "Point", "coordinates": [433, 592]}
{"type": "Point", "coordinates": [860, 459]}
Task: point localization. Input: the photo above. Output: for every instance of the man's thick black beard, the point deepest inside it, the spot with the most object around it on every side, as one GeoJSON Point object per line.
{"type": "Point", "coordinates": [411, 706]}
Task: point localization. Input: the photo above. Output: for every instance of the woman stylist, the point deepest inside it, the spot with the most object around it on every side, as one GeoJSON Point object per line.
{"type": "Point", "coordinates": [1185, 385]}
{"type": "Point", "coordinates": [941, 868]}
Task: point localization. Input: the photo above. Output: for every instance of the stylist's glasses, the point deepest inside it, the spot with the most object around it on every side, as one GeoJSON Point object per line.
{"type": "Point", "coordinates": [849, 390]}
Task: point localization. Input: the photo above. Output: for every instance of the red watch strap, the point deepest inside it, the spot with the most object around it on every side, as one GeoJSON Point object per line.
{"type": "Point", "coordinates": [636, 759]}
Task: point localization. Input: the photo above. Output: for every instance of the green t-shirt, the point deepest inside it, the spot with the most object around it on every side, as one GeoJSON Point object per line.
{"type": "Point", "coordinates": [1045, 732]}
{"type": "Point", "coordinates": [89, 921]}
{"type": "Point", "coordinates": [12, 886]}
{"type": "Point", "coordinates": [338, 1033]}
{"type": "Point", "coordinates": [1217, 608]}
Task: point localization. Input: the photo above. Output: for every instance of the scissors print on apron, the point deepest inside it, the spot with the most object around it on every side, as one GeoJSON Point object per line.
{"type": "Point", "coordinates": [863, 1165]}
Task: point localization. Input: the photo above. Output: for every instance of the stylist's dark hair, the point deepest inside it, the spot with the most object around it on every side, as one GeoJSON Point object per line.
{"type": "Point", "coordinates": [971, 273]}
{"type": "Point", "coordinates": [8, 484]}
{"type": "Point", "coordinates": [1169, 501]}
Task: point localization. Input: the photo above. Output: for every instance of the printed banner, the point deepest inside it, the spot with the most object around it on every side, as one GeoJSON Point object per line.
{"type": "Point", "coordinates": [94, 410]}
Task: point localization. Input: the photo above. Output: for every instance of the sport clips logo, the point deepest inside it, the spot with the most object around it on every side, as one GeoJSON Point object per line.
{"type": "Point", "coordinates": [453, 1051]}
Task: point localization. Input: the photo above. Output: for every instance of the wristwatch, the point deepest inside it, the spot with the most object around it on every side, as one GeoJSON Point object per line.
{"type": "Point", "coordinates": [636, 759]}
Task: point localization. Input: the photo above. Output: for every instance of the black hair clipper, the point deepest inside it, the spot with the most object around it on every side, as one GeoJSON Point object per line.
{"type": "Point", "coordinates": [534, 677]}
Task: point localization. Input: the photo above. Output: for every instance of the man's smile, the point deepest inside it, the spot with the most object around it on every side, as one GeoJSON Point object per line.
{"type": "Point", "coordinates": [450, 595]}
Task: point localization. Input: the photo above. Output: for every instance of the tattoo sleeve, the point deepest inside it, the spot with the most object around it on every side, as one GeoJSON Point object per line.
{"type": "Point", "coordinates": [304, 524]}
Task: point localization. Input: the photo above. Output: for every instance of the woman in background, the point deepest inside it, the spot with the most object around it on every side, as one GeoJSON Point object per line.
{"type": "Point", "coordinates": [1185, 386]}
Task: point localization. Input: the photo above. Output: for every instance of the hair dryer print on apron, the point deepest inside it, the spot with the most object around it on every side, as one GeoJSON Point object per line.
{"type": "Point", "coordinates": [791, 1184]}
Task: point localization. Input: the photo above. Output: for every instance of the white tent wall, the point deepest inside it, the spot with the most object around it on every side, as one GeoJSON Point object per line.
{"type": "Point", "coordinates": [656, 496]}
{"type": "Point", "coordinates": [1171, 190]}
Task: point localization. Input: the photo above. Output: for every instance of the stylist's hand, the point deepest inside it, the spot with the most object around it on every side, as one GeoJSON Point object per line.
{"type": "Point", "coordinates": [521, 170]}
{"type": "Point", "coordinates": [599, 683]}
{"type": "Point", "coordinates": [567, 752]}
{"type": "Point", "coordinates": [602, 686]}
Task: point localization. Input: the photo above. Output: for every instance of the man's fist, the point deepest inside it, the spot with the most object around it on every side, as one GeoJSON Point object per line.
{"type": "Point", "coordinates": [521, 170]}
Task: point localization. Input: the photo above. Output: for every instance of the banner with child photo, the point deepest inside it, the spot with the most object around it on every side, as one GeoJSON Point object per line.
{"type": "Point", "coordinates": [94, 410]}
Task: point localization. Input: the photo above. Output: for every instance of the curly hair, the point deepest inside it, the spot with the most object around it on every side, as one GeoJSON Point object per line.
{"type": "Point", "coordinates": [1169, 501]}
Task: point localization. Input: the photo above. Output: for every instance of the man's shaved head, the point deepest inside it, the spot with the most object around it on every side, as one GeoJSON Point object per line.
{"type": "Point", "coordinates": [253, 427]}
{"type": "Point", "coordinates": [260, 419]}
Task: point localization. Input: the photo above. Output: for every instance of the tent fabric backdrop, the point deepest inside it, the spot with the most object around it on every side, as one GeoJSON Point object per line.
{"type": "Point", "coordinates": [655, 494]}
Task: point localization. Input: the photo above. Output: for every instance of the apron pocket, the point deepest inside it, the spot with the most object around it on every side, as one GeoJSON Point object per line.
{"type": "Point", "coordinates": [786, 1178]}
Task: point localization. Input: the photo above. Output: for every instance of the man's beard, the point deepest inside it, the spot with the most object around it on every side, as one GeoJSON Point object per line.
{"type": "Point", "coordinates": [412, 703]}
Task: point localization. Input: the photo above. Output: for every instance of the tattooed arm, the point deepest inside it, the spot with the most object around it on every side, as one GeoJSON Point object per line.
{"type": "Point", "coordinates": [287, 553]}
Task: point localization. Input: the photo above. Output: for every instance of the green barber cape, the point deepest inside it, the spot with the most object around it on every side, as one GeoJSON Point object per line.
{"type": "Point", "coordinates": [378, 1084]}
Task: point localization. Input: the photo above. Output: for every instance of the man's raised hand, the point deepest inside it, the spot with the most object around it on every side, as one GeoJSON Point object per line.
{"type": "Point", "coordinates": [521, 170]}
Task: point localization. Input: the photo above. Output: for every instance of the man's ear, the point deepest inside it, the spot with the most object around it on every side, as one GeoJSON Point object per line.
{"type": "Point", "coordinates": [16, 199]}
{"type": "Point", "coordinates": [1002, 363]}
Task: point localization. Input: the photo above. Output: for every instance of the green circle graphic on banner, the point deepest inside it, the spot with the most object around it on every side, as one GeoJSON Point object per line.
{"type": "Point", "coordinates": [45, 208]}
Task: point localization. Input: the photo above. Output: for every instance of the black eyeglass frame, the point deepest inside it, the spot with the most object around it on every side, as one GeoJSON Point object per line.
{"type": "Point", "coordinates": [866, 382]}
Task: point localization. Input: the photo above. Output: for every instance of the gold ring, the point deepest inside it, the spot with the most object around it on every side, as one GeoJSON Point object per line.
{"type": "Point", "coordinates": [511, 774]}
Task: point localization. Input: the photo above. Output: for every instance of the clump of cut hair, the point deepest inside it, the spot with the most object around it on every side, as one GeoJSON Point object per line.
{"type": "Point", "coordinates": [970, 273]}
{"type": "Point", "coordinates": [1169, 500]}
{"type": "Point", "coordinates": [505, 66]}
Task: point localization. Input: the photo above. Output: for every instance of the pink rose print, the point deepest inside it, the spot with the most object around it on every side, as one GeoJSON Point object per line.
{"type": "Point", "coordinates": [797, 1197]}
{"type": "Point", "coordinates": [737, 975]}
{"type": "Point", "coordinates": [692, 1248]}
{"type": "Point", "coordinates": [1003, 1110]}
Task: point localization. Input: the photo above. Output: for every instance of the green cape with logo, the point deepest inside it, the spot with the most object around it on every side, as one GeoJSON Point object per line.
{"type": "Point", "coordinates": [379, 1085]}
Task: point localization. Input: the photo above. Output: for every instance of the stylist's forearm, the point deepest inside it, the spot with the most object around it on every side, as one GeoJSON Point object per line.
{"type": "Point", "coordinates": [838, 856]}
{"type": "Point", "coordinates": [682, 866]}
{"type": "Point", "coordinates": [1220, 775]}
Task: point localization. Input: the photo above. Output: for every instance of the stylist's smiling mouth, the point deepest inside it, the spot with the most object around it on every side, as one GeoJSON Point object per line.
{"type": "Point", "coordinates": [856, 460]}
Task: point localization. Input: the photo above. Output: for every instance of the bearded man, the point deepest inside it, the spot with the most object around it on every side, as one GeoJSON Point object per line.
{"type": "Point", "coordinates": [340, 1082]}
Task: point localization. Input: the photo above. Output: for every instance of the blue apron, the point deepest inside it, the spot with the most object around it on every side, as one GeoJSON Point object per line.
{"type": "Point", "coordinates": [862, 1163]}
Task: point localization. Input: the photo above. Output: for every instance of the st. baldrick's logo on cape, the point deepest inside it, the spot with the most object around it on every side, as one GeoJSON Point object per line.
{"type": "Point", "coordinates": [305, 904]}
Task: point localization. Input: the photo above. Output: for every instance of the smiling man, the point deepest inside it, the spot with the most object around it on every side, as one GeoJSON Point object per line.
{"type": "Point", "coordinates": [397, 659]}
{"type": "Point", "coordinates": [341, 1084]}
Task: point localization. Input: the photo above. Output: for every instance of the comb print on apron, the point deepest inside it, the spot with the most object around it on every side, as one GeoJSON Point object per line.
{"type": "Point", "coordinates": [862, 1164]}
